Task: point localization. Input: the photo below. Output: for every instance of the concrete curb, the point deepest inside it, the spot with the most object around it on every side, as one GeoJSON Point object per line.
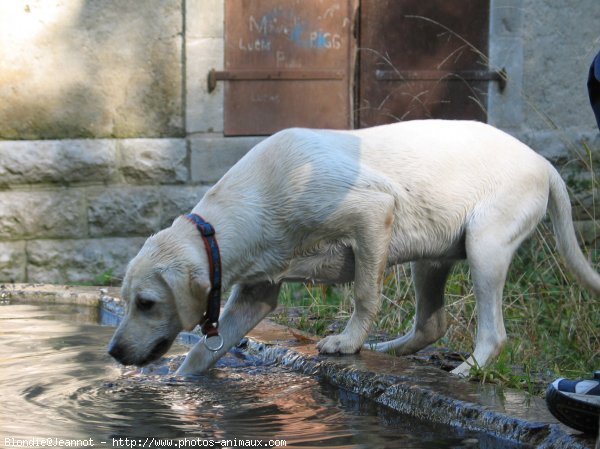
{"type": "Point", "coordinates": [409, 388]}
{"type": "Point", "coordinates": [404, 384]}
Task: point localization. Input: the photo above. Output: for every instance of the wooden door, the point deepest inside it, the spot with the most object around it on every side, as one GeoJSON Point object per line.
{"type": "Point", "coordinates": [423, 59]}
{"type": "Point", "coordinates": [287, 63]}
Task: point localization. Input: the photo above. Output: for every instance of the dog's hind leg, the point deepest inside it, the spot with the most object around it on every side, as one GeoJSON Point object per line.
{"type": "Point", "coordinates": [372, 218]}
{"type": "Point", "coordinates": [490, 245]}
{"type": "Point", "coordinates": [489, 264]}
{"type": "Point", "coordinates": [245, 307]}
{"type": "Point", "coordinates": [430, 324]}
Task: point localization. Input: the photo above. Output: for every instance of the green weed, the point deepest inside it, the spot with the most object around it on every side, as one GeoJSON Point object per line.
{"type": "Point", "coordinates": [106, 278]}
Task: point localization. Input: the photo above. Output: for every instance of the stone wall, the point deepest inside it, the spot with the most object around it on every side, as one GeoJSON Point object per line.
{"type": "Point", "coordinates": [546, 48]}
{"type": "Point", "coordinates": [80, 68]}
{"type": "Point", "coordinates": [131, 77]}
{"type": "Point", "coordinates": [75, 210]}
{"type": "Point", "coordinates": [557, 120]}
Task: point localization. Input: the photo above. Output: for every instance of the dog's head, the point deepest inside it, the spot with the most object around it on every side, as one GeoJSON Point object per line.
{"type": "Point", "coordinates": [165, 288]}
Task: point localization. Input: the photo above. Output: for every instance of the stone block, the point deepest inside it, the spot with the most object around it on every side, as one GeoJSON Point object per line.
{"type": "Point", "coordinates": [91, 69]}
{"type": "Point", "coordinates": [154, 161]}
{"type": "Point", "coordinates": [123, 211]}
{"type": "Point", "coordinates": [211, 157]}
{"type": "Point", "coordinates": [204, 50]}
{"type": "Point", "coordinates": [506, 17]}
{"type": "Point", "coordinates": [57, 161]}
{"type": "Point", "coordinates": [505, 107]}
{"type": "Point", "coordinates": [73, 261]}
{"type": "Point", "coordinates": [204, 110]}
{"type": "Point", "coordinates": [562, 146]}
{"type": "Point", "coordinates": [12, 261]}
{"type": "Point", "coordinates": [204, 18]}
{"type": "Point", "coordinates": [585, 204]}
{"type": "Point", "coordinates": [42, 214]}
{"type": "Point", "coordinates": [587, 231]}
{"type": "Point", "coordinates": [179, 200]}
{"type": "Point", "coordinates": [556, 64]}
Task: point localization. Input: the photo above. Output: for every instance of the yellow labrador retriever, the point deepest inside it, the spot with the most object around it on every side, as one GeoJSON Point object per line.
{"type": "Point", "coordinates": [340, 206]}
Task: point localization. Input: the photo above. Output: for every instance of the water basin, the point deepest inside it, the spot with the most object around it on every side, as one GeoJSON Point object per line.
{"type": "Point", "coordinates": [58, 383]}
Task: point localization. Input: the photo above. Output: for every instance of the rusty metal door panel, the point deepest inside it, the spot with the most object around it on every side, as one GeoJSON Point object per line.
{"type": "Point", "coordinates": [423, 59]}
{"type": "Point", "coordinates": [287, 63]}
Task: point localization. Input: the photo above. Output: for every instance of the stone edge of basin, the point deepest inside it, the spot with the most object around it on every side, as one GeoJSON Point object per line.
{"type": "Point", "coordinates": [399, 393]}
{"type": "Point", "coordinates": [410, 398]}
{"type": "Point", "coordinates": [56, 294]}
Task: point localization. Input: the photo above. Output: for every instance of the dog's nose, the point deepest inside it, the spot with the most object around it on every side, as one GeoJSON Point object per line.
{"type": "Point", "coordinates": [115, 351]}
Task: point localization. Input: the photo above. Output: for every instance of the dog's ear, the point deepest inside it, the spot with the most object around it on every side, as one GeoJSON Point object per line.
{"type": "Point", "coordinates": [190, 293]}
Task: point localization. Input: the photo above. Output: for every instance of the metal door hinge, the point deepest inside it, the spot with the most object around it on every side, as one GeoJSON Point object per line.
{"type": "Point", "coordinates": [500, 76]}
{"type": "Point", "coordinates": [271, 75]}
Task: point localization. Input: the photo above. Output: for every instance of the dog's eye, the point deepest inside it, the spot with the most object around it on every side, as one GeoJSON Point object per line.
{"type": "Point", "coordinates": [144, 304]}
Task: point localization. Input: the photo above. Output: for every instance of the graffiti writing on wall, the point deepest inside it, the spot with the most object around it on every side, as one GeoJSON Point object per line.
{"type": "Point", "coordinates": [281, 29]}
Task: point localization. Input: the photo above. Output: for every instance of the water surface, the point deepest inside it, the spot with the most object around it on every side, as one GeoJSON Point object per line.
{"type": "Point", "coordinates": [56, 381]}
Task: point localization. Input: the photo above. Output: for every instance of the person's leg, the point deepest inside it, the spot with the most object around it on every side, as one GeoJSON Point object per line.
{"type": "Point", "coordinates": [576, 403]}
{"type": "Point", "coordinates": [593, 85]}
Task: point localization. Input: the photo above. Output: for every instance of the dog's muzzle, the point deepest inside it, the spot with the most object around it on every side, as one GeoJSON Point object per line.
{"type": "Point", "coordinates": [121, 354]}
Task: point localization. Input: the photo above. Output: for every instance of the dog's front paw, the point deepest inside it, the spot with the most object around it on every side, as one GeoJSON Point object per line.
{"type": "Point", "coordinates": [338, 344]}
{"type": "Point", "coordinates": [198, 360]}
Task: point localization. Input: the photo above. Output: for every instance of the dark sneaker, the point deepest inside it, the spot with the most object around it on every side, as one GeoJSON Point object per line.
{"type": "Point", "coordinates": [576, 403]}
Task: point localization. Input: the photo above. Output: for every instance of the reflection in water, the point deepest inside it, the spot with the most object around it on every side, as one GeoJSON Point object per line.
{"type": "Point", "coordinates": [56, 380]}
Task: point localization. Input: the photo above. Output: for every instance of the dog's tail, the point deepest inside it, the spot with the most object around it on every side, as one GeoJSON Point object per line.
{"type": "Point", "coordinates": [559, 207]}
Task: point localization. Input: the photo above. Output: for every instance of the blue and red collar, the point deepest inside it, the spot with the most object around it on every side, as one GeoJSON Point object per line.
{"type": "Point", "coordinates": [210, 326]}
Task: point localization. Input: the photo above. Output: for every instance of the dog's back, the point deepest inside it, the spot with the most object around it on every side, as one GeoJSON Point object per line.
{"type": "Point", "coordinates": [440, 173]}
